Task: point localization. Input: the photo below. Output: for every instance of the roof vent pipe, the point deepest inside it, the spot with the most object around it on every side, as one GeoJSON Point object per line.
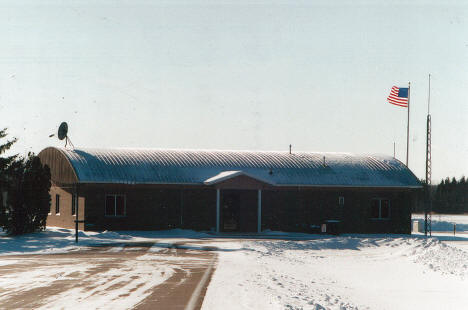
{"type": "Point", "coordinates": [324, 162]}
{"type": "Point", "coordinates": [290, 146]}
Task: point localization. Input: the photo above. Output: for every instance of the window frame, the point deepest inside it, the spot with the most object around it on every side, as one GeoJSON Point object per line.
{"type": "Point", "coordinates": [380, 199]}
{"type": "Point", "coordinates": [57, 204]}
{"type": "Point", "coordinates": [115, 205]}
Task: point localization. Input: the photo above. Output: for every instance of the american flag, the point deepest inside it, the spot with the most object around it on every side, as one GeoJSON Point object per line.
{"type": "Point", "coordinates": [398, 96]}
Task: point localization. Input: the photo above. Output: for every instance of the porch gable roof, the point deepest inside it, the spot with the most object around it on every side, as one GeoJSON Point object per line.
{"type": "Point", "coordinates": [230, 174]}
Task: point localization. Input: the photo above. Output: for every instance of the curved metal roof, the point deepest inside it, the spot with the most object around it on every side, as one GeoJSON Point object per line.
{"type": "Point", "coordinates": [156, 166]}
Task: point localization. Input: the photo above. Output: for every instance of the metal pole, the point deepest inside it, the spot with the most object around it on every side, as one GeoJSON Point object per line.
{"type": "Point", "coordinates": [407, 128]}
{"type": "Point", "coordinates": [77, 208]}
{"type": "Point", "coordinates": [181, 208]}
{"type": "Point", "coordinates": [428, 202]}
{"type": "Point", "coordinates": [429, 96]}
{"type": "Point", "coordinates": [259, 211]}
{"type": "Point", "coordinates": [217, 210]}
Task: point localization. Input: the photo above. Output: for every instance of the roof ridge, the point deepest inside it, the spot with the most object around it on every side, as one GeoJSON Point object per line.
{"type": "Point", "coordinates": [218, 150]}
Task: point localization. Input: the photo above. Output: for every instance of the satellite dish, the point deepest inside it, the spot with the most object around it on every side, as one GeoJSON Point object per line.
{"type": "Point", "coordinates": [63, 134]}
{"type": "Point", "coordinates": [62, 131]}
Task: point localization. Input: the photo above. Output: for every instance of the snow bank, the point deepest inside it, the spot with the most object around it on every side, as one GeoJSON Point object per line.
{"type": "Point", "coordinates": [59, 240]}
{"type": "Point", "coordinates": [440, 257]}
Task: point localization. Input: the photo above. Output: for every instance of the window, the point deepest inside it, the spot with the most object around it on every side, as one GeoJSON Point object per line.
{"type": "Point", "coordinates": [375, 208]}
{"type": "Point", "coordinates": [115, 205]}
{"type": "Point", "coordinates": [4, 197]}
{"type": "Point", "coordinates": [73, 206]}
{"type": "Point", "coordinates": [380, 208]}
{"type": "Point", "coordinates": [57, 204]}
{"type": "Point", "coordinates": [384, 209]}
{"type": "Point", "coordinates": [341, 201]}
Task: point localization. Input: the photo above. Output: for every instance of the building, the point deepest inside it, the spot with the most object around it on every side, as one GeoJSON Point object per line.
{"type": "Point", "coordinates": [246, 191]}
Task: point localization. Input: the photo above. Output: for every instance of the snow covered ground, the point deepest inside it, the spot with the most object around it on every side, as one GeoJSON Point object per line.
{"type": "Point", "coordinates": [445, 222]}
{"type": "Point", "coordinates": [299, 271]}
{"type": "Point", "coordinates": [351, 272]}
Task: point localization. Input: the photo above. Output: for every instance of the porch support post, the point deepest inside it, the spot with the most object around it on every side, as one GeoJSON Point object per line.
{"type": "Point", "coordinates": [77, 208]}
{"type": "Point", "coordinates": [259, 214]}
{"type": "Point", "coordinates": [217, 210]}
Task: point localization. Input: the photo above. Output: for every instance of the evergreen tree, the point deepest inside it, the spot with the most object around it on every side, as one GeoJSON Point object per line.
{"type": "Point", "coordinates": [451, 196]}
{"type": "Point", "coordinates": [28, 196]}
{"type": "Point", "coordinates": [462, 195]}
{"type": "Point", "coordinates": [5, 164]}
{"type": "Point", "coordinates": [5, 161]}
{"type": "Point", "coordinates": [437, 204]}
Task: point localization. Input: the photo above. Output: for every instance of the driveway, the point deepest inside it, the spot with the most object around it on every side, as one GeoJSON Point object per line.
{"type": "Point", "coordinates": [124, 276]}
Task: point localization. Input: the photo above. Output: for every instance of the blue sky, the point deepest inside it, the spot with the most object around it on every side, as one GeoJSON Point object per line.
{"type": "Point", "coordinates": [238, 75]}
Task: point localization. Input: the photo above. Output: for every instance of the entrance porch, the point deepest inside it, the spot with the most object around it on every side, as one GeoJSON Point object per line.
{"type": "Point", "coordinates": [238, 201]}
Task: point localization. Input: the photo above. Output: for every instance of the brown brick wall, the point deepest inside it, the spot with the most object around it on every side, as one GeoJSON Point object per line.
{"type": "Point", "coordinates": [65, 218]}
{"type": "Point", "coordinates": [151, 207]}
{"type": "Point", "coordinates": [300, 210]}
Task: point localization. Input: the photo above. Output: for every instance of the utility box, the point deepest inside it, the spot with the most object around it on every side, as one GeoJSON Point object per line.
{"type": "Point", "coordinates": [415, 227]}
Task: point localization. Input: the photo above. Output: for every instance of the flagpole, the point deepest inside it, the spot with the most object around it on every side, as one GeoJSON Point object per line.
{"type": "Point", "coordinates": [407, 127]}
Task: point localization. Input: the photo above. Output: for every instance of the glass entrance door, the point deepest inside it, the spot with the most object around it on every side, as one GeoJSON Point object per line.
{"type": "Point", "coordinates": [230, 212]}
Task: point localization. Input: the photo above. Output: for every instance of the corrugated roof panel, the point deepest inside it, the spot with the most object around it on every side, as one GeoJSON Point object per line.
{"type": "Point", "coordinates": [196, 166]}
